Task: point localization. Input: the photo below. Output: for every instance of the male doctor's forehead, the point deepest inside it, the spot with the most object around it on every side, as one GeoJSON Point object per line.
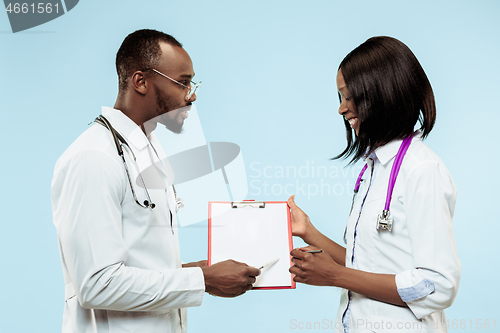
{"type": "Point", "coordinates": [175, 61]}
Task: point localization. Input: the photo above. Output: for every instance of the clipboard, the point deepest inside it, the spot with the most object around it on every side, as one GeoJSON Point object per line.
{"type": "Point", "coordinates": [253, 232]}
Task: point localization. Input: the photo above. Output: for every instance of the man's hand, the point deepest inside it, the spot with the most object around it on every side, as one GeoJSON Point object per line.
{"type": "Point", "coordinates": [201, 264]}
{"type": "Point", "coordinates": [229, 278]}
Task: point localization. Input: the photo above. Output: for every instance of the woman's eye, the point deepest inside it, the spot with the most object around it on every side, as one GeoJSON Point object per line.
{"type": "Point", "coordinates": [344, 97]}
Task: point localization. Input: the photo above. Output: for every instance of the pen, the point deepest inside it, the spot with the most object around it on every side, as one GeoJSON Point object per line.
{"type": "Point", "coordinates": [269, 263]}
{"type": "Point", "coordinates": [313, 251]}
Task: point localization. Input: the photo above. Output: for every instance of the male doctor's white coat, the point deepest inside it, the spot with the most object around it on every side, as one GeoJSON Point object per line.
{"type": "Point", "coordinates": [121, 262]}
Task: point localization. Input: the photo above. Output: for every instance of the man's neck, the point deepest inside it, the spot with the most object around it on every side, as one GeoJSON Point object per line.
{"type": "Point", "coordinates": [127, 108]}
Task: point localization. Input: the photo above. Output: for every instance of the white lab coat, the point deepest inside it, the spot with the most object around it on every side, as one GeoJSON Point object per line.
{"type": "Point", "coordinates": [121, 262]}
{"type": "Point", "coordinates": [420, 250]}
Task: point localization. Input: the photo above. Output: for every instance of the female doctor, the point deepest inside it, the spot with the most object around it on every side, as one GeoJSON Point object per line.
{"type": "Point", "coordinates": [399, 269]}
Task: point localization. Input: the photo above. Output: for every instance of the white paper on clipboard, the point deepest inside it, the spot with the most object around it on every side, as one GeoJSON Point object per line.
{"type": "Point", "coordinates": [254, 236]}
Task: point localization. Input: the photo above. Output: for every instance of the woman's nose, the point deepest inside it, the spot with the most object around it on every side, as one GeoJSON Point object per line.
{"type": "Point", "coordinates": [343, 108]}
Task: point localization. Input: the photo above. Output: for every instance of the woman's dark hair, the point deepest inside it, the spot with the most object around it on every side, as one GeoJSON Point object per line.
{"type": "Point", "coordinates": [391, 93]}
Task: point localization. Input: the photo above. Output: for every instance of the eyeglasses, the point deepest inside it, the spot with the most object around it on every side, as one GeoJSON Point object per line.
{"type": "Point", "coordinates": [191, 88]}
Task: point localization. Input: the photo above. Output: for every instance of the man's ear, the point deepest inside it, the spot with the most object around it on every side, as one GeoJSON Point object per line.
{"type": "Point", "coordinates": [139, 82]}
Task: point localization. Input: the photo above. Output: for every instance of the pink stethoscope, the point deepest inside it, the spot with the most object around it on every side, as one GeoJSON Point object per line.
{"type": "Point", "coordinates": [383, 220]}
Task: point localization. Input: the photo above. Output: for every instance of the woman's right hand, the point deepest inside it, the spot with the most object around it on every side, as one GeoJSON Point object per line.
{"type": "Point", "coordinates": [301, 224]}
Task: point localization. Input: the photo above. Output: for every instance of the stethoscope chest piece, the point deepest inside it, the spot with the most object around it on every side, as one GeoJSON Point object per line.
{"type": "Point", "coordinates": [383, 221]}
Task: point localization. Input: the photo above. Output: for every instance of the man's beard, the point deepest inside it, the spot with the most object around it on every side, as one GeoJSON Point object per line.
{"type": "Point", "coordinates": [162, 109]}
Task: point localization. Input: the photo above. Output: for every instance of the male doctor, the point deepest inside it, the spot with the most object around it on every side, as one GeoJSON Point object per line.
{"type": "Point", "coordinates": [117, 239]}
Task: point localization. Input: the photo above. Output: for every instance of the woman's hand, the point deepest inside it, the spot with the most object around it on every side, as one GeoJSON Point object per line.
{"type": "Point", "coordinates": [301, 224]}
{"type": "Point", "coordinates": [303, 228]}
{"type": "Point", "coordinates": [317, 269]}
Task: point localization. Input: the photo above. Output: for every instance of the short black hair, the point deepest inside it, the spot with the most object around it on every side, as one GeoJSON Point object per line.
{"type": "Point", "coordinates": [140, 51]}
{"type": "Point", "coordinates": [391, 92]}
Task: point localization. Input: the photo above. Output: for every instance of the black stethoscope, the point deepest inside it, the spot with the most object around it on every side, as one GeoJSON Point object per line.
{"type": "Point", "coordinates": [383, 220]}
{"type": "Point", "coordinates": [119, 143]}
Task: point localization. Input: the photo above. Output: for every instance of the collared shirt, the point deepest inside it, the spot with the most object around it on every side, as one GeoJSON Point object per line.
{"type": "Point", "coordinates": [420, 250]}
{"type": "Point", "coordinates": [121, 262]}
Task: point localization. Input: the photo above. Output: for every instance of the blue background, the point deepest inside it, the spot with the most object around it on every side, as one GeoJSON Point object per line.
{"type": "Point", "coordinates": [268, 69]}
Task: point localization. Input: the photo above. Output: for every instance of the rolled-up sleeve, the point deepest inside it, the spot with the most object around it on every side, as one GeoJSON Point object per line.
{"type": "Point", "coordinates": [87, 192]}
{"type": "Point", "coordinates": [430, 201]}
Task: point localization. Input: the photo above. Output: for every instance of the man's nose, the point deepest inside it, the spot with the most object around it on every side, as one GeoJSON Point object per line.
{"type": "Point", "coordinates": [191, 98]}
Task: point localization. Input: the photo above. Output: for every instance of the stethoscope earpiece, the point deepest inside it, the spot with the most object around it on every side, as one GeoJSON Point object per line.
{"type": "Point", "coordinates": [147, 204]}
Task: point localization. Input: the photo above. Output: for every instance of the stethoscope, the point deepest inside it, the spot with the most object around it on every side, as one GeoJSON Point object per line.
{"type": "Point", "coordinates": [119, 143]}
{"type": "Point", "coordinates": [383, 220]}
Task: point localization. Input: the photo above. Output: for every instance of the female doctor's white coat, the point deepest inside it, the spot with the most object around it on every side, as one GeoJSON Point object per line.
{"type": "Point", "coordinates": [121, 262]}
{"type": "Point", "coordinates": [420, 250]}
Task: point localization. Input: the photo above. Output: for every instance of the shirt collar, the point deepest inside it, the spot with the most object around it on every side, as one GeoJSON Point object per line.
{"type": "Point", "coordinates": [126, 127]}
{"type": "Point", "coordinates": [386, 152]}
